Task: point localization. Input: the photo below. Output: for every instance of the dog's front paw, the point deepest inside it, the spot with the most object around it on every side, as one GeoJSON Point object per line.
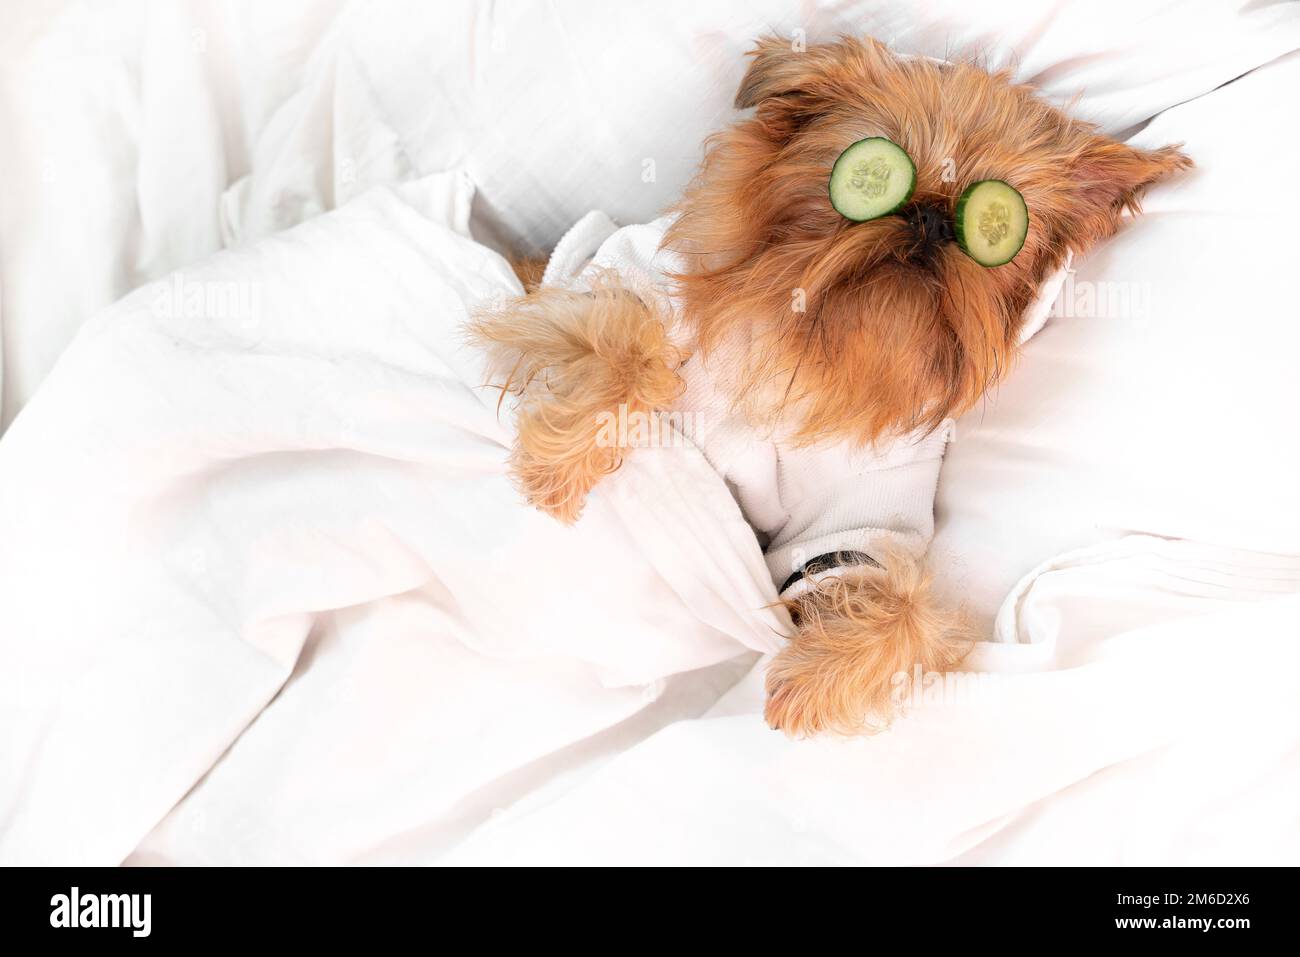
{"type": "Point", "coordinates": [861, 635]}
{"type": "Point", "coordinates": [580, 363]}
{"type": "Point", "coordinates": [555, 469]}
{"type": "Point", "coordinates": [810, 691]}
{"type": "Point", "coordinates": [791, 704]}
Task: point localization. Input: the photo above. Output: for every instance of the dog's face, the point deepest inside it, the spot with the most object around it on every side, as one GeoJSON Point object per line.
{"type": "Point", "coordinates": [859, 329]}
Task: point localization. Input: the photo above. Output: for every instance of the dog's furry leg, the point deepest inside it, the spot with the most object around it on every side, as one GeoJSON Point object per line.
{"type": "Point", "coordinates": [575, 357]}
{"type": "Point", "coordinates": [857, 631]}
{"type": "Point", "coordinates": [529, 271]}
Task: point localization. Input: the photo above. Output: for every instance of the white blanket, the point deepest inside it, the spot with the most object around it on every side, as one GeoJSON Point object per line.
{"type": "Point", "coordinates": [283, 451]}
{"type": "Point", "coordinates": [265, 595]}
{"type": "Point", "coordinates": [1141, 711]}
{"type": "Point", "coordinates": [256, 545]}
{"type": "Point", "coordinates": [136, 137]}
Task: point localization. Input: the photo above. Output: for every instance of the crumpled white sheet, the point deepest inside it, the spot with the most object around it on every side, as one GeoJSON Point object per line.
{"type": "Point", "coordinates": [197, 496]}
{"type": "Point", "coordinates": [138, 136]}
{"type": "Point", "coordinates": [556, 109]}
{"type": "Point", "coordinates": [121, 123]}
{"type": "Point", "coordinates": [267, 565]}
{"type": "Point", "coordinates": [1140, 708]}
{"type": "Point", "coordinates": [1151, 714]}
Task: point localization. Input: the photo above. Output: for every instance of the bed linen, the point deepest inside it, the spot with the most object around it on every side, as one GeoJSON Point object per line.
{"type": "Point", "coordinates": [1166, 414]}
{"type": "Point", "coordinates": [1134, 714]}
{"type": "Point", "coordinates": [235, 489]}
{"type": "Point", "coordinates": [226, 632]}
{"type": "Point", "coordinates": [137, 136]}
{"type": "Point", "coordinates": [270, 599]}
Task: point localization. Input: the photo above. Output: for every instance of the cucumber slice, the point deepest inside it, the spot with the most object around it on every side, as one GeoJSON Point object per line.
{"type": "Point", "coordinates": [872, 178]}
{"type": "Point", "coordinates": [991, 222]}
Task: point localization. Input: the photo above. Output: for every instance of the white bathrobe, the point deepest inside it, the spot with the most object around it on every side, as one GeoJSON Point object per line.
{"type": "Point", "coordinates": [813, 508]}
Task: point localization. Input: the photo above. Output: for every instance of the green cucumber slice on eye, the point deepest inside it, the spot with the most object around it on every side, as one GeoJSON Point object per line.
{"type": "Point", "coordinates": [991, 223]}
{"type": "Point", "coordinates": [872, 178]}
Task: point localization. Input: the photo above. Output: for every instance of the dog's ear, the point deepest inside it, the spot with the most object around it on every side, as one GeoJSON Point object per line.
{"type": "Point", "coordinates": [1108, 179]}
{"type": "Point", "coordinates": [775, 69]}
{"type": "Point", "coordinates": [782, 68]}
{"type": "Point", "coordinates": [790, 83]}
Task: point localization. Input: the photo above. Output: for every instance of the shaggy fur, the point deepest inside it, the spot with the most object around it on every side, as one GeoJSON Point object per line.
{"type": "Point", "coordinates": [861, 634]}
{"type": "Point", "coordinates": [856, 331]}
{"type": "Point", "coordinates": [570, 356]}
{"type": "Point", "coordinates": [893, 335]}
{"type": "Point", "coordinates": [529, 271]}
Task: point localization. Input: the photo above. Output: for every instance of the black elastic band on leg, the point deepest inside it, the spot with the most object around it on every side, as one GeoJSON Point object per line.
{"type": "Point", "coordinates": [828, 561]}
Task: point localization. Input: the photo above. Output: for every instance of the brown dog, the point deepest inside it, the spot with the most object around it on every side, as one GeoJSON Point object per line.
{"type": "Point", "coordinates": [895, 331]}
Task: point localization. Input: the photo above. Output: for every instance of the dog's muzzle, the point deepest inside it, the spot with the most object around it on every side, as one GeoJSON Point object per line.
{"type": "Point", "coordinates": [931, 226]}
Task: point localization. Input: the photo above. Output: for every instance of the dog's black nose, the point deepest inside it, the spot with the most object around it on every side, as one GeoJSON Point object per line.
{"type": "Point", "coordinates": [930, 224]}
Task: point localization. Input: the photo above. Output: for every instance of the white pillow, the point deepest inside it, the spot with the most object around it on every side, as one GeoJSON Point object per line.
{"type": "Point", "coordinates": [1161, 397]}
{"type": "Point", "coordinates": [558, 109]}
{"type": "Point", "coordinates": [121, 124]}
